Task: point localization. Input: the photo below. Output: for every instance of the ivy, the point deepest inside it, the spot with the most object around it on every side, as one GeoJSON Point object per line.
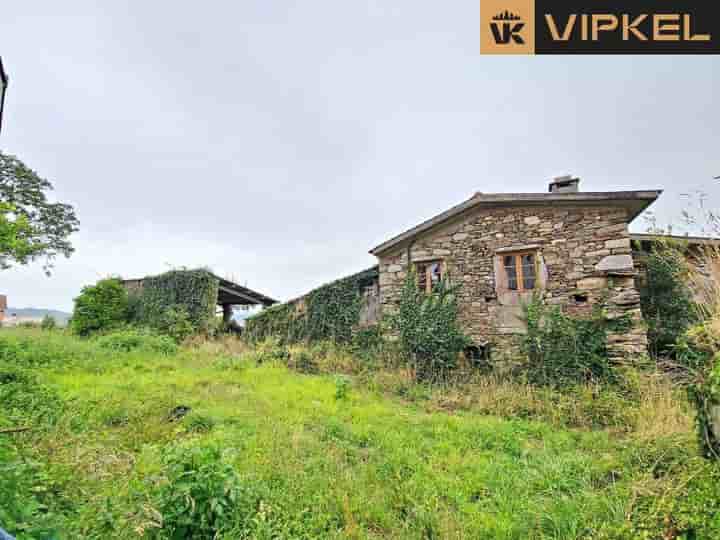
{"type": "Point", "coordinates": [330, 312]}
{"type": "Point", "coordinates": [562, 350]}
{"type": "Point", "coordinates": [189, 295]}
{"type": "Point", "coordinates": [280, 321]}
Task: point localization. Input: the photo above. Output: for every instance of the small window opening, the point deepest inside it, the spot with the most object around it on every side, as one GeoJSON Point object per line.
{"type": "Point", "coordinates": [580, 298]}
{"type": "Point", "coordinates": [429, 275]}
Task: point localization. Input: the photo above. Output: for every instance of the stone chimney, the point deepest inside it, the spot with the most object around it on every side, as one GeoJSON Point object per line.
{"type": "Point", "coordinates": [564, 184]}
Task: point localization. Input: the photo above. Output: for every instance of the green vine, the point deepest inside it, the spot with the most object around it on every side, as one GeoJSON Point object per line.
{"type": "Point", "coordinates": [330, 312]}
{"type": "Point", "coordinates": [192, 293]}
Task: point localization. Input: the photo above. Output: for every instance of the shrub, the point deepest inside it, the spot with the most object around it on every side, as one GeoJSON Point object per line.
{"type": "Point", "coordinates": [48, 323]}
{"type": "Point", "coordinates": [198, 423]}
{"type": "Point", "coordinates": [175, 322]}
{"type": "Point", "coordinates": [202, 497]}
{"type": "Point", "coordinates": [428, 330]}
{"type": "Point", "coordinates": [26, 401]}
{"type": "Point", "coordinates": [100, 307]}
{"type": "Point", "coordinates": [22, 512]}
{"type": "Point", "coordinates": [562, 350]}
{"type": "Point", "coordinates": [699, 354]}
{"type": "Point", "coordinates": [133, 339]}
{"type": "Point", "coordinates": [666, 299]}
{"type": "Point", "coordinates": [342, 387]}
{"type": "Point", "coordinates": [683, 499]}
{"type": "Point", "coordinates": [270, 350]}
{"type": "Point", "coordinates": [303, 362]}
{"type": "Point", "coordinates": [705, 393]}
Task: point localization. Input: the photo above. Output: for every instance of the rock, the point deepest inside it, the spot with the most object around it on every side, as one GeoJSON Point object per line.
{"type": "Point", "coordinates": [598, 253]}
{"type": "Point", "coordinates": [615, 263]}
{"type": "Point", "coordinates": [178, 412]}
{"type": "Point", "coordinates": [592, 283]}
{"type": "Point", "coordinates": [619, 243]}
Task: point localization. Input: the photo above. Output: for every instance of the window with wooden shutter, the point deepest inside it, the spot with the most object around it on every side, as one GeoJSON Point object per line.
{"type": "Point", "coordinates": [520, 271]}
{"type": "Point", "coordinates": [429, 275]}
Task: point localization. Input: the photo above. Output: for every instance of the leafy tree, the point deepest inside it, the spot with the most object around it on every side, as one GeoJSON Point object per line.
{"type": "Point", "coordinates": [48, 322]}
{"type": "Point", "coordinates": [14, 233]}
{"type": "Point", "coordinates": [428, 329]}
{"type": "Point", "coordinates": [100, 307]}
{"type": "Point", "coordinates": [30, 226]}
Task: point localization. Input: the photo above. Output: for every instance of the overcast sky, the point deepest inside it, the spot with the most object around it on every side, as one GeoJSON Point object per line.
{"type": "Point", "coordinates": [278, 141]}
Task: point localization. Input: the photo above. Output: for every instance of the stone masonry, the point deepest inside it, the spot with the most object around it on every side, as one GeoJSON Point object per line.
{"type": "Point", "coordinates": [583, 259]}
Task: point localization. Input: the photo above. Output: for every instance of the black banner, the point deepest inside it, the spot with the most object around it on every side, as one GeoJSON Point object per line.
{"type": "Point", "coordinates": [629, 27]}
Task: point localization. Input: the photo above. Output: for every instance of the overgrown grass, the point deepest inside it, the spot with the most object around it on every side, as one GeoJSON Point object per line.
{"type": "Point", "coordinates": [270, 442]}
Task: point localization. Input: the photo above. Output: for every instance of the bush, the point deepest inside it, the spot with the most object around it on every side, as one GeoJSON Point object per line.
{"type": "Point", "coordinates": [175, 322]}
{"type": "Point", "coordinates": [100, 307]}
{"type": "Point", "coordinates": [705, 393]}
{"type": "Point", "coordinates": [666, 299]}
{"type": "Point", "coordinates": [198, 423]}
{"type": "Point", "coordinates": [24, 400]}
{"type": "Point", "coordinates": [132, 339]}
{"type": "Point", "coordinates": [269, 350]}
{"type": "Point", "coordinates": [48, 323]}
{"type": "Point", "coordinates": [562, 350]}
{"type": "Point", "coordinates": [683, 499]}
{"type": "Point", "coordinates": [428, 330]}
{"type": "Point", "coordinates": [302, 361]}
{"type": "Point", "coordinates": [22, 512]}
{"type": "Point", "coordinates": [342, 387]}
{"type": "Point", "coordinates": [202, 497]}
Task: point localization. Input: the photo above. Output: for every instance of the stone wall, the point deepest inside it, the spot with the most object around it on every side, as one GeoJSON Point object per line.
{"type": "Point", "coordinates": [571, 244]}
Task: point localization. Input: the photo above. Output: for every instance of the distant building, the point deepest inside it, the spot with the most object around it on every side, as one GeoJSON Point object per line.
{"type": "Point", "coordinates": [3, 307]}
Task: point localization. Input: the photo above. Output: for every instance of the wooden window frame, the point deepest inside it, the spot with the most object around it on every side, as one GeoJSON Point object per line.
{"type": "Point", "coordinates": [519, 278]}
{"type": "Point", "coordinates": [428, 286]}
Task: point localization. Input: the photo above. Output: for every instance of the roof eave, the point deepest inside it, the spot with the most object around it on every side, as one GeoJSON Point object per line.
{"type": "Point", "coordinates": [642, 198]}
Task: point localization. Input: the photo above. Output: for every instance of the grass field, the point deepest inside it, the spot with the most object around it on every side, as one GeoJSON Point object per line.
{"type": "Point", "coordinates": [312, 456]}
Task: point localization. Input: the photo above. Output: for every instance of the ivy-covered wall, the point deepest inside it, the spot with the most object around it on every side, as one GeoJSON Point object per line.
{"type": "Point", "coordinates": [329, 312]}
{"type": "Point", "coordinates": [194, 292]}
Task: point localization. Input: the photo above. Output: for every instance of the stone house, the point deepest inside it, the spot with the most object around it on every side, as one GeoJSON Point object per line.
{"type": "Point", "coordinates": [569, 246]}
{"type": "Point", "coordinates": [3, 307]}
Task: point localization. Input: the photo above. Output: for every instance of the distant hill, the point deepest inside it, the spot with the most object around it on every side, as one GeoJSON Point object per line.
{"type": "Point", "coordinates": [37, 313]}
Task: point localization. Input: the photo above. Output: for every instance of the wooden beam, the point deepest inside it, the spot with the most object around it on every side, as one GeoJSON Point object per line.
{"type": "Point", "coordinates": [238, 294]}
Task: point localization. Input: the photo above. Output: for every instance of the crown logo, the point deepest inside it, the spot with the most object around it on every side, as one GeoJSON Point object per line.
{"type": "Point", "coordinates": [506, 16]}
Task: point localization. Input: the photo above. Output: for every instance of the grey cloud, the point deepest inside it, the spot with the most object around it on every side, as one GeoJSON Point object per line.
{"type": "Point", "coordinates": [279, 141]}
